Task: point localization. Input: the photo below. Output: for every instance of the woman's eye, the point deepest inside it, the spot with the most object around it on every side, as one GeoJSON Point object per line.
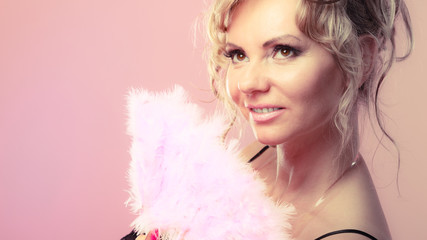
{"type": "Point", "coordinates": [281, 52]}
{"type": "Point", "coordinates": [236, 56]}
{"type": "Point", "coordinates": [239, 57]}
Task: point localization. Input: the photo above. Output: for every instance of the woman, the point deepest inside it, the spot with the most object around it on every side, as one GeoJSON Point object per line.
{"type": "Point", "coordinates": [298, 71]}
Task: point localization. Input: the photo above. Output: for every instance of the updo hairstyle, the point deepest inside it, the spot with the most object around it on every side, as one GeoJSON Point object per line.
{"type": "Point", "coordinates": [341, 27]}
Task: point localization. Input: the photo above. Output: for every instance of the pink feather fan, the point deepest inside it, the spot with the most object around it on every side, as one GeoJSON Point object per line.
{"type": "Point", "coordinates": [186, 183]}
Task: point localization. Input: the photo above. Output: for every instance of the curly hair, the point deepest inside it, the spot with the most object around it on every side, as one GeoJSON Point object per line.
{"type": "Point", "coordinates": [337, 25]}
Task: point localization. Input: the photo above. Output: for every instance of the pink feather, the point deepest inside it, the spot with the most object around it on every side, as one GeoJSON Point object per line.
{"type": "Point", "coordinates": [186, 183]}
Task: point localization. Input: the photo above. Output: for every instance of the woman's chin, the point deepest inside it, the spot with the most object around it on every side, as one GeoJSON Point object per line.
{"type": "Point", "coordinates": [268, 140]}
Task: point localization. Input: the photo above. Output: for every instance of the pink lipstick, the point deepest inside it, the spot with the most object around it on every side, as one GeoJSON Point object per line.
{"type": "Point", "coordinates": [265, 114]}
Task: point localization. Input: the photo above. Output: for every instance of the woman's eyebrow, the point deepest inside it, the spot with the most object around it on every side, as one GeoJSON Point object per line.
{"type": "Point", "coordinates": [267, 43]}
{"type": "Point", "coordinates": [232, 45]}
{"type": "Point", "coordinates": [278, 39]}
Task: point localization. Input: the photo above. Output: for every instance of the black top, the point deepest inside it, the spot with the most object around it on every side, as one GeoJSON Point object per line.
{"type": "Point", "coordinates": [133, 235]}
{"type": "Point", "coordinates": [355, 231]}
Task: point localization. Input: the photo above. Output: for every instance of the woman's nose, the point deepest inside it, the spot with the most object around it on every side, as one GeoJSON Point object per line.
{"type": "Point", "coordinates": [254, 80]}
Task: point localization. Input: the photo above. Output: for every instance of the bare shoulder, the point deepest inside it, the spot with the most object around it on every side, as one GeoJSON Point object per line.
{"type": "Point", "coordinates": [352, 204]}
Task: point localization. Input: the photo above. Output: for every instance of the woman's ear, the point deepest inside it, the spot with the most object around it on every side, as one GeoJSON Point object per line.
{"type": "Point", "coordinates": [369, 48]}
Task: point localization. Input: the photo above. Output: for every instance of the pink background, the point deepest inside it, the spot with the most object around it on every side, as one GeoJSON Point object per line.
{"type": "Point", "coordinates": [65, 68]}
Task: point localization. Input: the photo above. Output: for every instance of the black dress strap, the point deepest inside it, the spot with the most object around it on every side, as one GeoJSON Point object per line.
{"type": "Point", "coordinates": [259, 153]}
{"type": "Point", "coordinates": [355, 231]}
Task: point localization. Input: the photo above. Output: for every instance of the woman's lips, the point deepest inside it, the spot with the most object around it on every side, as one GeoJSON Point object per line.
{"type": "Point", "coordinates": [265, 114]}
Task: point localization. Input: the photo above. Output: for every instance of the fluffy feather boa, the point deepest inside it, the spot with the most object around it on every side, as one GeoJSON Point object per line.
{"type": "Point", "coordinates": [186, 183]}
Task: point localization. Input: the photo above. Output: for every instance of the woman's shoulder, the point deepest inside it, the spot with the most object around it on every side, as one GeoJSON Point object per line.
{"type": "Point", "coordinates": [352, 204]}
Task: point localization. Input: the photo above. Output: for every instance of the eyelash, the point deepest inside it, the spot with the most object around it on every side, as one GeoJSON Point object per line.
{"type": "Point", "coordinates": [293, 52]}
{"type": "Point", "coordinates": [231, 54]}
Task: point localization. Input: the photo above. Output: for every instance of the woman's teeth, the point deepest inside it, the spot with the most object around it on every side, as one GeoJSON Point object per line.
{"type": "Point", "coordinates": [264, 110]}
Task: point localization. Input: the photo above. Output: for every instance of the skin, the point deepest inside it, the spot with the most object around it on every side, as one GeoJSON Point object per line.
{"type": "Point", "coordinates": [150, 236]}
{"type": "Point", "coordinates": [141, 237]}
{"type": "Point", "coordinates": [274, 65]}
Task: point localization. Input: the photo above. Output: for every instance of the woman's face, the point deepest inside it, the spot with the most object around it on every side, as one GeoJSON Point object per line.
{"type": "Point", "coordinates": [285, 84]}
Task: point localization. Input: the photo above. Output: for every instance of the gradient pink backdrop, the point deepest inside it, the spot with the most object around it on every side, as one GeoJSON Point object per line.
{"type": "Point", "coordinates": [65, 68]}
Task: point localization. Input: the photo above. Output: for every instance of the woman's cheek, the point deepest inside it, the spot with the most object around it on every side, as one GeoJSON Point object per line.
{"type": "Point", "coordinates": [233, 92]}
{"type": "Point", "coordinates": [232, 87]}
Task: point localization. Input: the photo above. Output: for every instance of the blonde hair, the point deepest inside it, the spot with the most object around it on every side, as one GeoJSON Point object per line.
{"type": "Point", "coordinates": [337, 25]}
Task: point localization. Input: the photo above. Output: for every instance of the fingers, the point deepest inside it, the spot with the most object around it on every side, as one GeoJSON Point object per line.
{"type": "Point", "coordinates": [152, 235]}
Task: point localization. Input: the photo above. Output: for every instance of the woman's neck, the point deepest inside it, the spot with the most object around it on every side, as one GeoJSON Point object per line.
{"type": "Point", "coordinates": [308, 169]}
